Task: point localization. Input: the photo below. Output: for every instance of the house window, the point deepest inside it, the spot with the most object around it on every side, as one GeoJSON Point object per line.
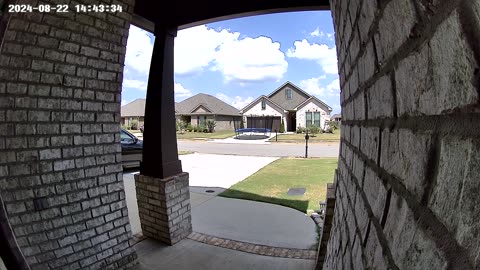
{"type": "Point", "coordinates": [202, 120]}
{"type": "Point", "coordinates": [312, 118]}
{"type": "Point", "coordinates": [288, 93]}
{"type": "Point", "coordinates": [264, 104]}
{"type": "Point", "coordinates": [316, 119]}
{"type": "Point", "coordinates": [308, 117]}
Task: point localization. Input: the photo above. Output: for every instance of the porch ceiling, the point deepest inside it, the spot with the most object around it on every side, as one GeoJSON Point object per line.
{"type": "Point", "coordinates": [184, 14]}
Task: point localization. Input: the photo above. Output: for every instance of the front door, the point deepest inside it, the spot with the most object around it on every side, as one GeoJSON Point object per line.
{"type": "Point", "coordinates": [292, 123]}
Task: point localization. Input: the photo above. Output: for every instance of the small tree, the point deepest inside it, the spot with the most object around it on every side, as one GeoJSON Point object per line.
{"type": "Point", "coordinates": [181, 126]}
{"type": "Point", "coordinates": [211, 125]}
{"type": "Point", "coordinates": [282, 127]}
{"type": "Point", "coordinates": [134, 125]}
{"type": "Point", "coordinates": [242, 125]}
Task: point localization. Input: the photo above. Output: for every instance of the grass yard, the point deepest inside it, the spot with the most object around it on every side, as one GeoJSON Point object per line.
{"type": "Point", "coordinates": [181, 152]}
{"type": "Point", "coordinates": [271, 183]}
{"type": "Point", "coordinates": [216, 135]}
{"type": "Point", "coordinates": [298, 137]}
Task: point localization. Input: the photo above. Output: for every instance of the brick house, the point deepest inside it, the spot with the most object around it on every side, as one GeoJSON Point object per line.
{"type": "Point", "coordinates": [133, 111]}
{"type": "Point", "coordinates": [289, 103]}
{"type": "Point", "coordinates": [197, 109]}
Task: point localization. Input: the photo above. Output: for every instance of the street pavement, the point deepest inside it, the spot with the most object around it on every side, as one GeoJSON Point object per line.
{"type": "Point", "coordinates": [263, 150]}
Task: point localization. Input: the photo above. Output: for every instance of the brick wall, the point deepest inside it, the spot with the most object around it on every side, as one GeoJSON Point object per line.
{"type": "Point", "coordinates": [407, 188]}
{"type": "Point", "coordinates": [60, 173]}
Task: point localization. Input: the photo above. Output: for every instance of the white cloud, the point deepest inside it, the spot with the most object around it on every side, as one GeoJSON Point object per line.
{"type": "Point", "coordinates": [124, 102]}
{"type": "Point", "coordinates": [181, 92]}
{"type": "Point", "coordinates": [237, 102]}
{"type": "Point", "coordinates": [139, 50]}
{"type": "Point", "coordinates": [317, 33]}
{"type": "Point", "coordinates": [136, 84]}
{"type": "Point", "coordinates": [325, 56]}
{"type": "Point", "coordinates": [238, 59]}
{"type": "Point", "coordinates": [315, 87]}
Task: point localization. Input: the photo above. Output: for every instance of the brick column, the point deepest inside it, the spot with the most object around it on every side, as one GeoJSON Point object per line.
{"type": "Point", "coordinates": [162, 188]}
{"type": "Point", "coordinates": [164, 207]}
{"type": "Point", "coordinates": [327, 225]}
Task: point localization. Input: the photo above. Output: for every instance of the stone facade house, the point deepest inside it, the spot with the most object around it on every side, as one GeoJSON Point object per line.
{"type": "Point", "coordinates": [289, 103]}
{"type": "Point", "coordinates": [197, 109]}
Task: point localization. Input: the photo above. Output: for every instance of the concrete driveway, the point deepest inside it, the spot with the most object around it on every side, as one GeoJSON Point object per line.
{"type": "Point", "coordinates": [208, 170]}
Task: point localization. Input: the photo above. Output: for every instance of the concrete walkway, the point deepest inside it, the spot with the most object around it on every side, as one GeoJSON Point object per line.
{"type": "Point", "coordinates": [252, 222]}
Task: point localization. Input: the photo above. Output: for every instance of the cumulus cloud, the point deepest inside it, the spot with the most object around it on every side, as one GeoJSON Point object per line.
{"type": "Point", "coordinates": [139, 50]}
{"type": "Point", "coordinates": [324, 55]}
{"type": "Point", "coordinates": [135, 84]}
{"type": "Point", "coordinates": [315, 87]}
{"type": "Point", "coordinates": [237, 101]}
{"type": "Point", "coordinates": [181, 92]}
{"type": "Point", "coordinates": [238, 59]}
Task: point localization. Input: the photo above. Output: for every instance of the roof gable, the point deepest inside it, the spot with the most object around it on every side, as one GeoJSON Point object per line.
{"type": "Point", "coordinates": [201, 108]}
{"type": "Point", "coordinates": [317, 101]}
{"type": "Point", "coordinates": [256, 101]}
{"type": "Point", "coordinates": [297, 97]}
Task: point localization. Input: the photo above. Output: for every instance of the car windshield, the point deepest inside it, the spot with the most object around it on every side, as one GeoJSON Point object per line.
{"type": "Point", "coordinates": [126, 138]}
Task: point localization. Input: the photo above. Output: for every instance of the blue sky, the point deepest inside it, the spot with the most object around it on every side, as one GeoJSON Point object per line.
{"type": "Point", "coordinates": [241, 59]}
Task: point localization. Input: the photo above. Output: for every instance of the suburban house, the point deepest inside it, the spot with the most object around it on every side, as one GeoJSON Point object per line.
{"type": "Point", "coordinates": [131, 111]}
{"type": "Point", "coordinates": [289, 103]}
{"type": "Point", "coordinates": [337, 118]}
{"type": "Point", "coordinates": [197, 109]}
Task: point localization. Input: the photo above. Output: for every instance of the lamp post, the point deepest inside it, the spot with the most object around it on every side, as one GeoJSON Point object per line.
{"type": "Point", "coordinates": [306, 144]}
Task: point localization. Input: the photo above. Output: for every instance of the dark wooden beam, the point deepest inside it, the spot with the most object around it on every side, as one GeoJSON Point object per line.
{"type": "Point", "coordinates": [189, 13]}
{"type": "Point", "coordinates": [160, 154]}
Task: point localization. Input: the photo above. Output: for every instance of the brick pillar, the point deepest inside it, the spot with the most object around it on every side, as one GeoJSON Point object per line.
{"type": "Point", "coordinates": [164, 207]}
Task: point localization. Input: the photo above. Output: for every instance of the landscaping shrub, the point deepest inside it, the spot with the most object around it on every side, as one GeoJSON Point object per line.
{"type": "Point", "coordinates": [282, 127]}
{"type": "Point", "coordinates": [211, 126]}
{"type": "Point", "coordinates": [300, 129]}
{"type": "Point", "coordinates": [134, 125]}
{"type": "Point", "coordinates": [312, 129]}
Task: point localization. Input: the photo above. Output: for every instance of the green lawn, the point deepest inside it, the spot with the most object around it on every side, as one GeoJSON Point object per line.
{"type": "Point", "coordinates": [216, 135]}
{"type": "Point", "coordinates": [271, 183]}
{"type": "Point", "coordinates": [324, 137]}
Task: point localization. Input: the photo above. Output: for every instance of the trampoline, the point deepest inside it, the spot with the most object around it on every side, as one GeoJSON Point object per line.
{"type": "Point", "coordinates": [257, 130]}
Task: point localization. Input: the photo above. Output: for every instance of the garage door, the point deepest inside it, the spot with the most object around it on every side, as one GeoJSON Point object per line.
{"type": "Point", "coordinates": [269, 122]}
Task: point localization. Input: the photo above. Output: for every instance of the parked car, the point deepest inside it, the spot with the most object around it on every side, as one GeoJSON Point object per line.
{"type": "Point", "coordinates": [132, 149]}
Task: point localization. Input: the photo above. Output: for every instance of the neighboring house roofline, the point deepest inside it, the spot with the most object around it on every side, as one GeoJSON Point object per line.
{"type": "Point", "coordinates": [316, 99]}
{"type": "Point", "coordinates": [251, 104]}
{"type": "Point", "coordinates": [291, 84]}
{"type": "Point", "coordinates": [135, 108]}
{"type": "Point", "coordinates": [215, 106]}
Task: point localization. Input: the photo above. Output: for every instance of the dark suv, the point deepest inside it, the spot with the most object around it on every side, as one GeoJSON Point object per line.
{"type": "Point", "coordinates": [132, 149]}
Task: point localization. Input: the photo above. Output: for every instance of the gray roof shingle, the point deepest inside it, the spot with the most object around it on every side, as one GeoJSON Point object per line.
{"type": "Point", "coordinates": [134, 108]}
{"type": "Point", "coordinates": [211, 103]}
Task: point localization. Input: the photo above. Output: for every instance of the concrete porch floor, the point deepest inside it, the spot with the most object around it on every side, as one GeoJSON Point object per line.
{"type": "Point", "coordinates": [230, 234]}
{"type": "Point", "coordinates": [189, 254]}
